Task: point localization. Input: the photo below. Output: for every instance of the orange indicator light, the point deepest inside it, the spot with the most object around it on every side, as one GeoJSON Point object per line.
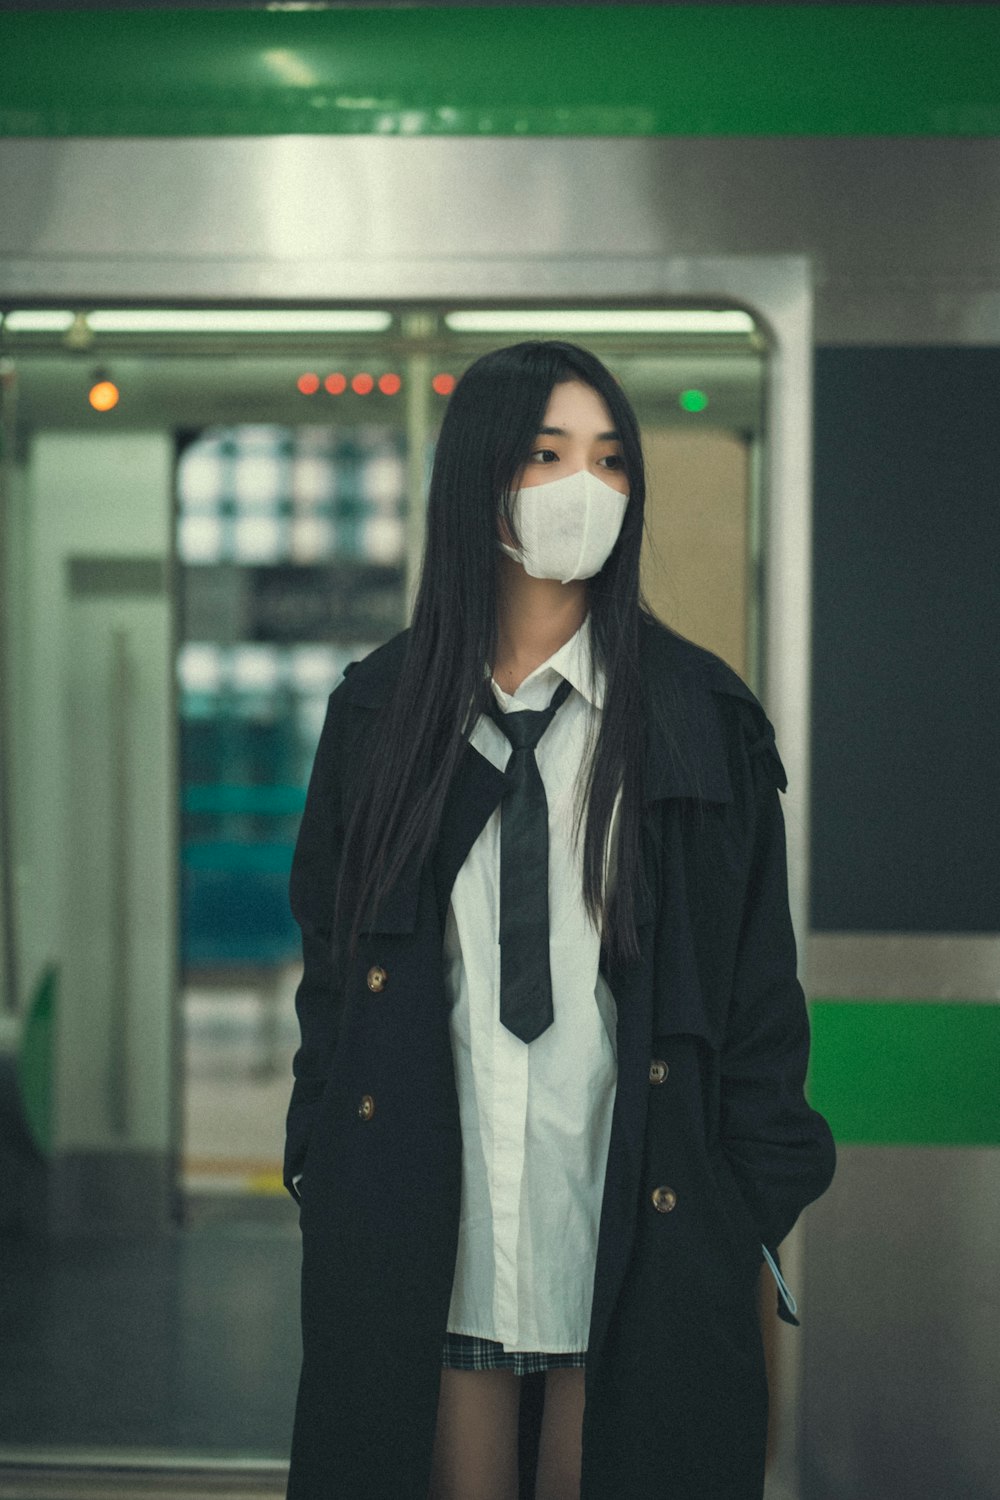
{"type": "Point", "coordinates": [443, 384]}
{"type": "Point", "coordinates": [389, 384]}
{"type": "Point", "coordinates": [103, 395]}
{"type": "Point", "coordinates": [308, 384]}
{"type": "Point", "coordinates": [336, 385]}
{"type": "Point", "coordinates": [362, 384]}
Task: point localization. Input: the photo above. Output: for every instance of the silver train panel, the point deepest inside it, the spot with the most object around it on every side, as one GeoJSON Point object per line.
{"type": "Point", "coordinates": [901, 232]}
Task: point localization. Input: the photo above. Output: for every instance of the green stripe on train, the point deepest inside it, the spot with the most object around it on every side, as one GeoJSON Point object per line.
{"type": "Point", "coordinates": [897, 1072]}
{"type": "Point", "coordinates": [504, 71]}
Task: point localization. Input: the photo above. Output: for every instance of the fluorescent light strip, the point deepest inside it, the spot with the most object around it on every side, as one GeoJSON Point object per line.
{"type": "Point", "coordinates": [201, 320]}
{"type": "Point", "coordinates": [222, 320]}
{"type": "Point", "coordinates": [600, 320]}
{"type": "Point", "coordinates": [38, 320]}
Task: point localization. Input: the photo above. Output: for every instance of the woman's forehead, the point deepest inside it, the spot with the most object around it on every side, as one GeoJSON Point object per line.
{"type": "Point", "coordinates": [575, 406]}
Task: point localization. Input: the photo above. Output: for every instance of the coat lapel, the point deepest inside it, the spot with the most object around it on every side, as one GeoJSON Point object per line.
{"type": "Point", "coordinates": [684, 756]}
{"type": "Point", "coordinates": [369, 688]}
{"type": "Point", "coordinates": [474, 794]}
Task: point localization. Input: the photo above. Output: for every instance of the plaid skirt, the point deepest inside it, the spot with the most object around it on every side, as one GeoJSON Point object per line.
{"type": "Point", "coordinates": [463, 1351]}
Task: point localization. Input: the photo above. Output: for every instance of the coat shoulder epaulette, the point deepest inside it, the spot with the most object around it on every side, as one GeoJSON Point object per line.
{"type": "Point", "coordinates": [371, 679]}
{"type": "Point", "coordinates": [705, 675]}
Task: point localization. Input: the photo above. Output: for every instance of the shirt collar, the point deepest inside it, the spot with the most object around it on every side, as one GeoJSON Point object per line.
{"type": "Point", "coordinates": [572, 661]}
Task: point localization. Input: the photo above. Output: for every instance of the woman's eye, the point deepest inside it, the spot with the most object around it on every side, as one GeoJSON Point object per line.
{"type": "Point", "coordinates": [544, 456]}
{"type": "Point", "coordinates": [613, 461]}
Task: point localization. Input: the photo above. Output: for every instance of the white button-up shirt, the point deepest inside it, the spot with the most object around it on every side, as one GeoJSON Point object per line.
{"type": "Point", "coordinates": [536, 1116]}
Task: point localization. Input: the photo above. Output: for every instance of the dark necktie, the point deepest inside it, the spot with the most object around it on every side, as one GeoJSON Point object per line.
{"type": "Point", "coordinates": [525, 978]}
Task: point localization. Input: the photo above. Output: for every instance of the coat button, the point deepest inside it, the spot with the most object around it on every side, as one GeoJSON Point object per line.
{"type": "Point", "coordinates": [658, 1070]}
{"type": "Point", "coordinates": [377, 979]}
{"type": "Point", "coordinates": [367, 1107]}
{"type": "Point", "coordinates": [664, 1199]}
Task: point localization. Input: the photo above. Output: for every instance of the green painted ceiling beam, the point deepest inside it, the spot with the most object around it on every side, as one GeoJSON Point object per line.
{"type": "Point", "coordinates": [504, 71]}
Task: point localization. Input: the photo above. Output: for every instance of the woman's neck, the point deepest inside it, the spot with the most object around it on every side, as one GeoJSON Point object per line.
{"type": "Point", "coordinates": [535, 616]}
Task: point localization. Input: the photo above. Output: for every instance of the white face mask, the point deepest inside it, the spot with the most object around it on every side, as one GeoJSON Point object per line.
{"type": "Point", "coordinates": [568, 526]}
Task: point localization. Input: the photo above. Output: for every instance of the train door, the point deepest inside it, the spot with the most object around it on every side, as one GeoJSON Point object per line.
{"type": "Point", "coordinates": [207, 523]}
{"type": "Point", "coordinates": [298, 546]}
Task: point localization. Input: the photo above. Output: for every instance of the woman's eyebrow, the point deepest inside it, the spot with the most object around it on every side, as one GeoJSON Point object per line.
{"type": "Point", "coordinates": [602, 437]}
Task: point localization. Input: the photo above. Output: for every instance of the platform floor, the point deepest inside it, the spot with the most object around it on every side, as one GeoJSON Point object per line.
{"type": "Point", "coordinates": [188, 1344]}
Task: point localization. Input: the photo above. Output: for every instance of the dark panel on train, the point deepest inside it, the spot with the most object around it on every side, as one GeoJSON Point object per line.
{"type": "Point", "coordinates": [906, 663]}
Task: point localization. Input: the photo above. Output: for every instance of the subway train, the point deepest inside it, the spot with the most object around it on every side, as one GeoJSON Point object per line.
{"type": "Point", "coordinates": [244, 256]}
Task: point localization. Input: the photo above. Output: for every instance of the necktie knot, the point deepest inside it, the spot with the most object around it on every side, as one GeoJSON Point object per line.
{"type": "Point", "coordinates": [525, 727]}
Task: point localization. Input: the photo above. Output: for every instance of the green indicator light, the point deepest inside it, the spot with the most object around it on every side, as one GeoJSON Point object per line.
{"type": "Point", "coordinates": [692, 400]}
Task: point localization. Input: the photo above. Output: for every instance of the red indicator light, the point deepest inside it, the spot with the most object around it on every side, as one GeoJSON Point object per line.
{"type": "Point", "coordinates": [103, 395]}
{"type": "Point", "coordinates": [336, 385]}
{"type": "Point", "coordinates": [308, 384]}
{"type": "Point", "coordinates": [362, 384]}
{"type": "Point", "coordinates": [389, 384]}
{"type": "Point", "coordinates": [443, 384]}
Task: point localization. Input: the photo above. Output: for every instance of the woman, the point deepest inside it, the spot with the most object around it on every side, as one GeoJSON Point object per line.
{"type": "Point", "coordinates": [548, 1111]}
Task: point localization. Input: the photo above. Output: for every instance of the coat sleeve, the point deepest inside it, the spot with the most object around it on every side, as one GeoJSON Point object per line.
{"type": "Point", "coordinates": [781, 1150]}
{"type": "Point", "coordinates": [312, 891]}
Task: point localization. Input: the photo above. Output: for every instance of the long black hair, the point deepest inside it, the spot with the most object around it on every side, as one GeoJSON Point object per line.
{"type": "Point", "coordinates": [489, 428]}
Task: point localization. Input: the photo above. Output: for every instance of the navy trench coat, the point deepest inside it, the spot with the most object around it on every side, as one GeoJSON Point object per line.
{"type": "Point", "coordinates": [714, 1151]}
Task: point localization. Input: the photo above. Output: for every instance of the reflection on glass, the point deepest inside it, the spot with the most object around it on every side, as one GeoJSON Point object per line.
{"type": "Point", "coordinates": [270, 494]}
{"type": "Point", "coordinates": [290, 541]}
